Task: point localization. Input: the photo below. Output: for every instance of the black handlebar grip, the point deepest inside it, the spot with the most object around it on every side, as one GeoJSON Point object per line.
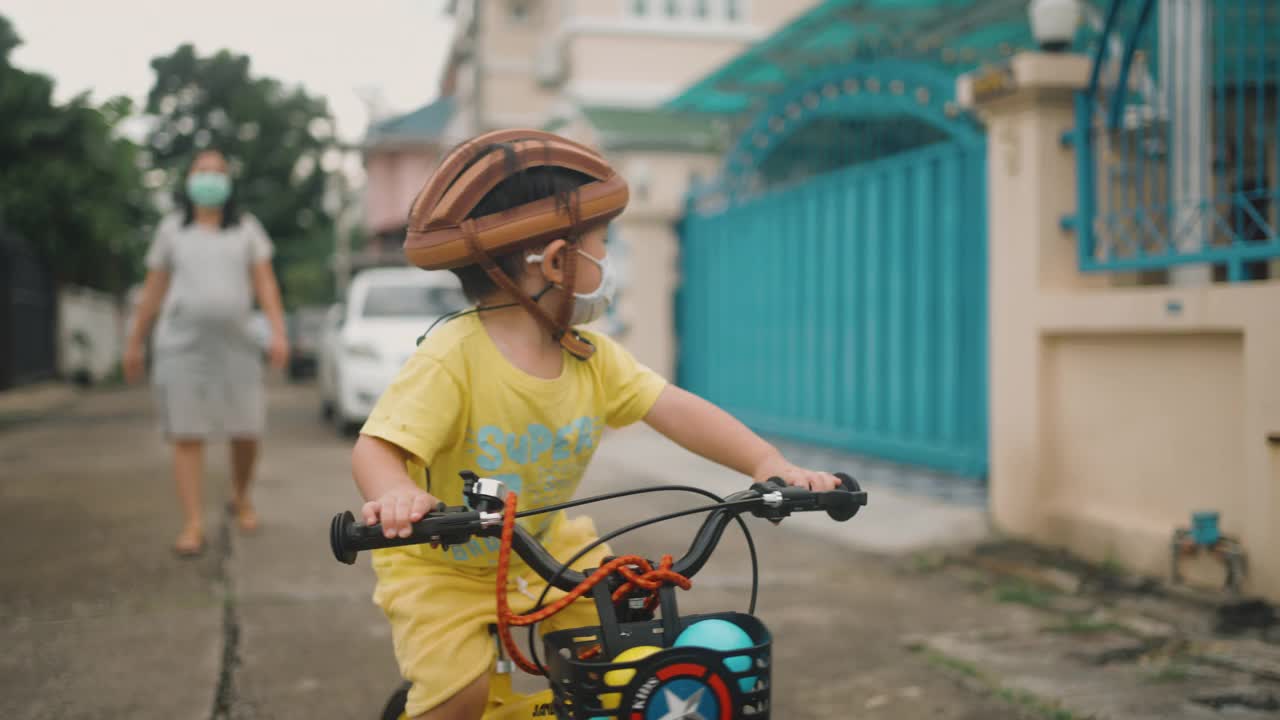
{"type": "Point", "coordinates": [338, 531]}
{"type": "Point", "coordinates": [842, 506]}
{"type": "Point", "coordinates": [348, 537]}
{"type": "Point", "coordinates": [444, 525]}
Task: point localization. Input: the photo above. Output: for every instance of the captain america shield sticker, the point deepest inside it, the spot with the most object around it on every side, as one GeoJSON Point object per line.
{"type": "Point", "coordinates": [684, 691]}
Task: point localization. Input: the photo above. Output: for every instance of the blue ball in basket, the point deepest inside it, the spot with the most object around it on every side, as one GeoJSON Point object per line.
{"type": "Point", "coordinates": [724, 636]}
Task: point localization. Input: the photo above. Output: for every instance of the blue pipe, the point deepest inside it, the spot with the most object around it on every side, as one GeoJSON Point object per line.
{"type": "Point", "coordinates": [1101, 53]}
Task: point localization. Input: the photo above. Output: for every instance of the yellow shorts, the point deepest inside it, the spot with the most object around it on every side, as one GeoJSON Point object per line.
{"type": "Point", "coordinates": [440, 614]}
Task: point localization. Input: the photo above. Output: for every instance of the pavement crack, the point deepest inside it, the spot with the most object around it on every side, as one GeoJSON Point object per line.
{"type": "Point", "coordinates": [224, 695]}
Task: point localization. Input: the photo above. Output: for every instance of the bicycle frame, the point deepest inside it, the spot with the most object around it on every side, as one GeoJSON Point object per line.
{"type": "Point", "coordinates": [505, 703]}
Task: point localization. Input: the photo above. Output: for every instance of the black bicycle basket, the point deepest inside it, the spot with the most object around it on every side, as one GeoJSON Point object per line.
{"type": "Point", "coordinates": [712, 684]}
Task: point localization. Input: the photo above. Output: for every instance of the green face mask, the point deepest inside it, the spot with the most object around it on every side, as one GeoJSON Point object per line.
{"type": "Point", "coordinates": [208, 189]}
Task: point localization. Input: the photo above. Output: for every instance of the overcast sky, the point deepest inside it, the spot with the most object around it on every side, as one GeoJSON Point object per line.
{"type": "Point", "coordinates": [333, 48]}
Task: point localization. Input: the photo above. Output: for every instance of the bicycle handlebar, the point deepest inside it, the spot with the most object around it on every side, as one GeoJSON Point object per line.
{"type": "Point", "coordinates": [772, 500]}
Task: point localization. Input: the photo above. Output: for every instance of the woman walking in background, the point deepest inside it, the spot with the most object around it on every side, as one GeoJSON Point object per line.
{"type": "Point", "coordinates": [204, 267]}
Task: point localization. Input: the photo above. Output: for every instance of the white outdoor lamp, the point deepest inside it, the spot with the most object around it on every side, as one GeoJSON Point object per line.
{"type": "Point", "coordinates": [1054, 23]}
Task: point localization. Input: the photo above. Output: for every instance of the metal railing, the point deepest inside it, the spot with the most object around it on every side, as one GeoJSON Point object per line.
{"type": "Point", "coordinates": [849, 310]}
{"type": "Point", "coordinates": [1178, 139]}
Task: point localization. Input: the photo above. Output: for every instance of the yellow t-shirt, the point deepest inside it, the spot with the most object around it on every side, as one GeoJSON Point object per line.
{"type": "Point", "coordinates": [459, 404]}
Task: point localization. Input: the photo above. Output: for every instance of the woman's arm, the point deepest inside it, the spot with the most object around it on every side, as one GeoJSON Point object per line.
{"type": "Point", "coordinates": [267, 291]}
{"type": "Point", "coordinates": [700, 427]}
{"type": "Point", "coordinates": [154, 288]}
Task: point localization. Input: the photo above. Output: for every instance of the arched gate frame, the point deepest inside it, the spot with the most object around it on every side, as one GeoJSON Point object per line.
{"type": "Point", "coordinates": [849, 309]}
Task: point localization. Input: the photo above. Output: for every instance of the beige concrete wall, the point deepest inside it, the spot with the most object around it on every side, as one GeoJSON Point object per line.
{"type": "Point", "coordinates": [648, 256]}
{"type": "Point", "coordinates": [512, 99]}
{"type": "Point", "coordinates": [660, 180]}
{"type": "Point", "coordinates": [611, 56]}
{"type": "Point", "coordinates": [646, 308]}
{"type": "Point", "coordinates": [659, 67]}
{"type": "Point", "coordinates": [616, 57]}
{"type": "Point", "coordinates": [764, 14]}
{"type": "Point", "coordinates": [651, 250]}
{"type": "Point", "coordinates": [497, 86]}
{"type": "Point", "coordinates": [506, 37]}
{"type": "Point", "coordinates": [1116, 412]}
{"type": "Point", "coordinates": [1146, 418]}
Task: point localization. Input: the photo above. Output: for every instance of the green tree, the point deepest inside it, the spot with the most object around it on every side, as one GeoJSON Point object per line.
{"type": "Point", "coordinates": [69, 182]}
{"type": "Point", "coordinates": [280, 144]}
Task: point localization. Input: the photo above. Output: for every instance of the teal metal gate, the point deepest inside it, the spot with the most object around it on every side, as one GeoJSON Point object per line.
{"type": "Point", "coordinates": [848, 310]}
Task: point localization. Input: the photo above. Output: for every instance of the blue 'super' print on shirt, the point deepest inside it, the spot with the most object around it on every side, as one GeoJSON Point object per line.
{"type": "Point", "coordinates": [540, 464]}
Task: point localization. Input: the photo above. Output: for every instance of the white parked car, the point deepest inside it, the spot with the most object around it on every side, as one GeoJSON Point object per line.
{"type": "Point", "coordinates": [368, 338]}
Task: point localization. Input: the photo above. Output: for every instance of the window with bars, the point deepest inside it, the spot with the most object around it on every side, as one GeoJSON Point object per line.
{"type": "Point", "coordinates": [1178, 142]}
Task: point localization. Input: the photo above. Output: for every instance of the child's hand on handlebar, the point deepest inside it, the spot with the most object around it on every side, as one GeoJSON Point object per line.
{"type": "Point", "coordinates": [777, 466]}
{"type": "Point", "coordinates": [398, 509]}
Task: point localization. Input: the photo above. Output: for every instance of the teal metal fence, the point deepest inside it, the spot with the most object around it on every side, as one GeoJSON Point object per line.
{"type": "Point", "coordinates": [835, 271]}
{"type": "Point", "coordinates": [849, 310]}
{"type": "Point", "coordinates": [1178, 139]}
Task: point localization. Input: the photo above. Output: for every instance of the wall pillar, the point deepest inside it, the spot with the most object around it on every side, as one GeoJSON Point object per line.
{"type": "Point", "coordinates": [1027, 105]}
{"type": "Point", "coordinates": [1115, 412]}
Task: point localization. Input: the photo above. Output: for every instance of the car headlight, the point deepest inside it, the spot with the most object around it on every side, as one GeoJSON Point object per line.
{"type": "Point", "coordinates": [361, 351]}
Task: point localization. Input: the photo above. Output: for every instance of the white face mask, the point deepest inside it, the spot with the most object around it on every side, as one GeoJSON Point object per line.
{"type": "Point", "coordinates": [589, 307]}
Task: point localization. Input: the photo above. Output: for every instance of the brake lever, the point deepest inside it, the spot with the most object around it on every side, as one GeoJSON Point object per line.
{"type": "Point", "coordinates": [776, 493]}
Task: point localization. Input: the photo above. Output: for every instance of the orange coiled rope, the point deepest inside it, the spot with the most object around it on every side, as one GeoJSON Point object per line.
{"type": "Point", "coordinates": [637, 570]}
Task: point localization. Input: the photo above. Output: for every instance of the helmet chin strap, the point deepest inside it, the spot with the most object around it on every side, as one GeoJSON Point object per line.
{"type": "Point", "coordinates": [568, 338]}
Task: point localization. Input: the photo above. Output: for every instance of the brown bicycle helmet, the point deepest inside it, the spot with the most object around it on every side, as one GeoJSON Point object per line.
{"type": "Point", "coordinates": [441, 236]}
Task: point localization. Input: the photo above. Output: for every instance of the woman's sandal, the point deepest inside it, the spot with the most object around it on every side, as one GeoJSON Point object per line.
{"type": "Point", "coordinates": [246, 517]}
{"type": "Point", "coordinates": [189, 545]}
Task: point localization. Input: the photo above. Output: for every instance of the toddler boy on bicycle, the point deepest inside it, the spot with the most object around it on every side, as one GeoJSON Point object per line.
{"type": "Point", "coordinates": [513, 391]}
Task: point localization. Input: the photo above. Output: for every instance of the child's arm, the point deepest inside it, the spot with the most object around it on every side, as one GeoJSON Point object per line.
{"type": "Point", "coordinates": [393, 497]}
{"type": "Point", "coordinates": [701, 427]}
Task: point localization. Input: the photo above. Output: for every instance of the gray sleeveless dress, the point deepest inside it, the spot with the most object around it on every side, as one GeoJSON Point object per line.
{"type": "Point", "coordinates": [207, 366]}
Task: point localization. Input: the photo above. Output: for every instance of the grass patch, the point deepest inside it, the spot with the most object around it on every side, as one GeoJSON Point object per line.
{"type": "Point", "coordinates": [1174, 672]}
{"type": "Point", "coordinates": [927, 562]}
{"type": "Point", "coordinates": [1023, 593]}
{"type": "Point", "coordinates": [1034, 703]}
{"type": "Point", "coordinates": [946, 662]}
{"type": "Point", "coordinates": [1112, 567]}
{"type": "Point", "coordinates": [1028, 702]}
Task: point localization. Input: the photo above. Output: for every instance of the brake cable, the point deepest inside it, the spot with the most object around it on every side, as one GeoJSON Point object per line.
{"type": "Point", "coordinates": [538, 606]}
{"type": "Point", "coordinates": [651, 579]}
